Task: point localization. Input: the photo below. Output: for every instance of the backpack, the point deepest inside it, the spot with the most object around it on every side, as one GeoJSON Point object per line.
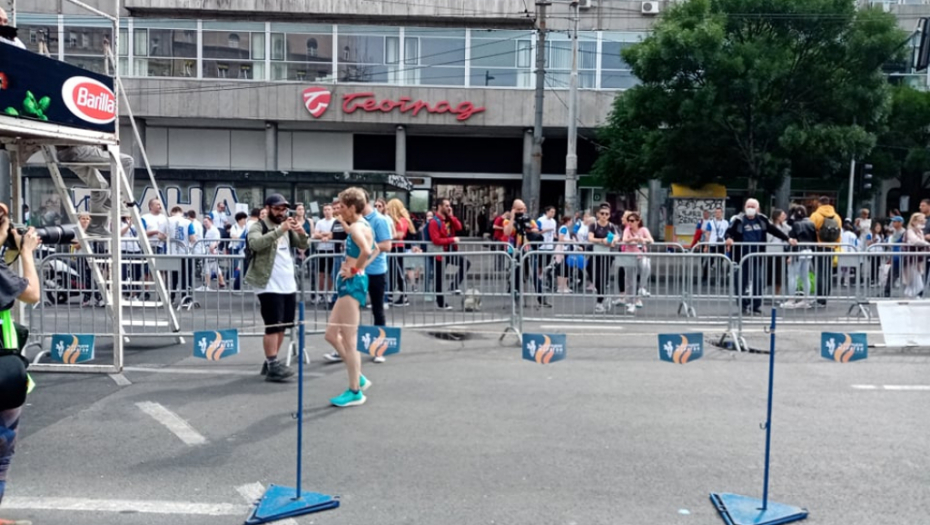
{"type": "Point", "coordinates": [830, 230]}
{"type": "Point", "coordinates": [249, 254]}
{"type": "Point", "coordinates": [426, 230]}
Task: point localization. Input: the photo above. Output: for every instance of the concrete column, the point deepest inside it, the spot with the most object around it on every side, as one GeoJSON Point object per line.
{"type": "Point", "coordinates": [783, 195]}
{"type": "Point", "coordinates": [271, 146]}
{"type": "Point", "coordinates": [652, 215]}
{"type": "Point", "coordinates": [527, 155]}
{"type": "Point", "coordinates": [400, 151]}
{"type": "Point", "coordinates": [6, 181]}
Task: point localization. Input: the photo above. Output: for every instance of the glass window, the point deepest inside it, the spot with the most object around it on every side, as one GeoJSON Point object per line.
{"type": "Point", "coordinates": [559, 63]}
{"type": "Point", "coordinates": [42, 39]}
{"type": "Point", "coordinates": [85, 42]}
{"type": "Point", "coordinates": [170, 52]}
{"type": "Point", "coordinates": [369, 54]}
{"type": "Point", "coordinates": [234, 54]}
{"type": "Point", "coordinates": [434, 57]}
{"type": "Point", "coordinates": [306, 56]}
{"type": "Point", "coordinates": [615, 72]}
{"type": "Point", "coordinates": [501, 58]}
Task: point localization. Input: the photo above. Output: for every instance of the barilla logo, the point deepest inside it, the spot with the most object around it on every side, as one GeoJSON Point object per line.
{"type": "Point", "coordinates": [316, 100]}
{"type": "Point", "coordinates": [379, 346]}
{"type": "Point", "coordinates": [681, 348]}
{"type": "Point", "coordinates": [215, 345]}
{"type": "Point", "coordinates": [543, 348]}
{"type": "Point", "coordinates": [852, 348]}
{"type": "Point", "coordinates": [73, 351]}
{"type": "Point", "coordinates": [89, 100]}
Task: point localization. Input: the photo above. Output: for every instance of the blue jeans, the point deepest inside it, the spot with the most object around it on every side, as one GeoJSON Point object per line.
{"type": "Point", "coordinates": [9, 421]}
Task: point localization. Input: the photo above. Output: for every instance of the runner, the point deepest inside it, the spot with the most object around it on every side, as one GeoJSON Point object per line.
{"type": "Point", "coordinates": [352, 289]}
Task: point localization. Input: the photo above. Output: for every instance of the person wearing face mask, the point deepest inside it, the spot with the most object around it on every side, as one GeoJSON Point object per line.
{"type": "Point", "coordinates": [747, 232]}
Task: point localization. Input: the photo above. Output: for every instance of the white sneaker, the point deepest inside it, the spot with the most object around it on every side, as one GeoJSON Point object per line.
{"type": "Point", "coordinates": [567, 290]}
{"type": "Point", "coordinates": [631, 308]}
{"type": "Point", "coordinates": [202, 289]}
{"type": "Point", "coordinates": [599, 308]}
{"type": "Point", "coordinates": [790, 305]}
{"type": "Point", "coordinates": [618, 301]}
{"type": "Point", "coordinates": [639, 304]}
{"type": "Point", "coordinates": [644, 293]}
{"type": "Point", "coordinates": [332, 357]}
{"type": "Point", "coordinates": [378, 359]}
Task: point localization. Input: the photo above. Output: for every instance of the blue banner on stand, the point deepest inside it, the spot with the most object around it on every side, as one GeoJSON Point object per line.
{"type": "Point", "coordinates": [378, 341]}
{"type": "Point", "coordinates": [843, 347]}
{"type": "Point", "coordinates": [214, 345]}
{"type": "Point", "coordinates": [72, 348]}
{"type": "Point", "coordinates": [544, 348]}
{"type": "Point", "coordinates": [681, 348]}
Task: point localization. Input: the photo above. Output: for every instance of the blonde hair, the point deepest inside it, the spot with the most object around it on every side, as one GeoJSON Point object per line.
{"type": "Point", "coordinates": [914, 218]}
{"type": "Point", "coordinates": [354, 198]}
{"type": "Point", "coordinates": [395, 210]}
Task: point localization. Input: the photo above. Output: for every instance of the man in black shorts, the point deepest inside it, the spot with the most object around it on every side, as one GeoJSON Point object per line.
{"type": "Point", "coordinates": [271, 274]}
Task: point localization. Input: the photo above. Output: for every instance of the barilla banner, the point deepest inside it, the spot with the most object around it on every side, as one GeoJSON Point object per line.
{"type": "Point", "coordinates": [843, 347]}
{"type": "Point", "coordinates": [214, 345]}
{"type": "Point", "coordinates": [544, 348]}
{"type": "Point", "coordinates": [71, 349]}
{"type": "Point", "coordinates": [378, 341]}
{"type": "Point", "coordinates": [681, 348]}
{"type": "Point", "coordinates": [42, 89]}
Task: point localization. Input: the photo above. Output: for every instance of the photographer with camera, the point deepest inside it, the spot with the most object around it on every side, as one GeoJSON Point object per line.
{"type": "Point", "coordinates": [521, 230]}
{"type": "Point", "coordinates": [14, 382]}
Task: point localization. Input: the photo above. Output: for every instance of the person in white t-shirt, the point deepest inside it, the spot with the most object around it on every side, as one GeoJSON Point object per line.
{"type": "Point", "coordinates": [547, 227]}
{"type": "Point", "coordinates": [323, 234]}
{"type": "Point", "coordinates": [180, 232]}
{"type": "Point", "coordinates": [219, 216]}
{"type": "Point", "coordinates": [715, 232]}
{"type": "Point", "coordinates": [156, 226]}
{"type": "Point", "coordinates": [211, 237]}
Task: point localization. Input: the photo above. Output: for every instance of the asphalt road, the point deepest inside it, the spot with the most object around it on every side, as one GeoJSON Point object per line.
{"type": "Point", "coordinates": [467, 432]}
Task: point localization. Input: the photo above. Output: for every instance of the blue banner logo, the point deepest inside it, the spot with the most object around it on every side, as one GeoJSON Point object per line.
{"type": "Point", "coordinates": [544, 348]}
{"type": "Point", "coordinates": [214, 345]}
{"type": "Point", "coordinates": [72, 348]}
{"type": "Point", "coordinates": [681, 348]}
{"type": "Point", "coordinates": [378, 341]}
{"type": "Point", "coordinates": [843, 347]}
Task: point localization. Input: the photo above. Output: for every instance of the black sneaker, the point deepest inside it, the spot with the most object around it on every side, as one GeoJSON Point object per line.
{"type": "Point", "coordinates": [264, 371]}
{"type": "Point", "coordinates": [278, 373]}
{"type": "Point", "coordinates": [402, 302]}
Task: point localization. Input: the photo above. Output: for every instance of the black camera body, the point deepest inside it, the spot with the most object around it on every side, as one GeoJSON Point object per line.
{"type": "Point", "coordinates": [63, 234]}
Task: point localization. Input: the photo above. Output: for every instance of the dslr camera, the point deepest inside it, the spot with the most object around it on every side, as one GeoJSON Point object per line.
{"type": "Point", "coordinates": [63, 234]}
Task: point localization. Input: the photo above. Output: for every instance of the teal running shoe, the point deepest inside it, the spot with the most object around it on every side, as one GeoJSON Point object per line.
{"type": "Point", "coordinates": [348, 399]}
{"type": "Point", "coordinates": [363, 383]}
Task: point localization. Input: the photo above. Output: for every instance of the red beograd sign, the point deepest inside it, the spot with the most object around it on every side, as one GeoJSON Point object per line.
{"type": "Point", "coordinates": [317, 100]}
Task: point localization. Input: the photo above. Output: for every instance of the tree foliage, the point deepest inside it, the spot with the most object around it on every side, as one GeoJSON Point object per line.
{"type": "Point", "coordinates": [902, 152]}
{"type": "Point", "coordinates": [752, 89]}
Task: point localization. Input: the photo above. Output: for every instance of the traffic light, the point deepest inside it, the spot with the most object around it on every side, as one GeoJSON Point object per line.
{"type": "Point", "coordinates": [866, 177]}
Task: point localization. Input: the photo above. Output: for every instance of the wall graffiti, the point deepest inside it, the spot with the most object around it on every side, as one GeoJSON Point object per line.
{"type": "Point", "coordinates": [171, 196]}
{"type": "Point", "coordinates": [690, 211]}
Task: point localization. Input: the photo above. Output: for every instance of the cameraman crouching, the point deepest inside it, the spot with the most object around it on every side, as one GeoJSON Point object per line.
{"type": "Point", "coordinates": [14, 383]}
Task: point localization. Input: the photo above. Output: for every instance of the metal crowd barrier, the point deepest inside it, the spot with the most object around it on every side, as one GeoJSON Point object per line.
{"type": "Point", "coordinates": [489, 282]}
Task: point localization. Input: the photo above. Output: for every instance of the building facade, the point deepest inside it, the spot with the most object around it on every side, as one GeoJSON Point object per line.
{"type": "Point", "coordinates": [238, 98]}
{"type": "Point", "coordinates": [413, 99]}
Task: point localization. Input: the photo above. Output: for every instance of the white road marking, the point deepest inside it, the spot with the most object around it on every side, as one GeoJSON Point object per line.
{"type": "Point", "coordinates": [252, 492]}
{"type": "Point", "coordinates": [120, 379]}
{"type": "Point", "coordinates": [597, 328]}
{"type": "Point", "coordinates": [918, 388]}
{"type": "Point", "coordinates": [172, 422]}
{"type": "Point", "coordinates": [202, 372]}
{"type": "Point", "coordinates": [146, 507]}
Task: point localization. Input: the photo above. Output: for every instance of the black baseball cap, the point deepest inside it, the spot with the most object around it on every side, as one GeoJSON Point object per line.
{"type": "Point", "coordinates": [276, 199]}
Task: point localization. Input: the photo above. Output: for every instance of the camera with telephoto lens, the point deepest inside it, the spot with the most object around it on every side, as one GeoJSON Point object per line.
{"type": "Point", "coordinates": [63, 234]}
{"type": "Point", "coordinates": [520, 223]}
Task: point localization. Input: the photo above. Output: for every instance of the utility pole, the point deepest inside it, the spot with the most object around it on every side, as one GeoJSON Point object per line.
{"type": "Point", "coordinates": [531, 179]}
{"type": "Point", "coordinates": [571, 158]}
{"type": "Point", "coordinates": [852, 182]}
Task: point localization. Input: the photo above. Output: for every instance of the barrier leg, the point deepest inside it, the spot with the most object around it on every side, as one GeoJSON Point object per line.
{"type": "Point", "coordinates": [744, 510]}
{"type": "Point", "coordinates": [284, 502]}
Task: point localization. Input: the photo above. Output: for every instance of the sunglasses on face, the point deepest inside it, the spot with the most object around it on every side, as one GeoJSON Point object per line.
{"type": "Point", "coordinates": [603, 213]}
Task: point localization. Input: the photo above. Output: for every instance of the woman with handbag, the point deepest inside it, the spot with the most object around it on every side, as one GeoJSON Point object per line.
{"type": "Point", "coordinates": [14, 382]}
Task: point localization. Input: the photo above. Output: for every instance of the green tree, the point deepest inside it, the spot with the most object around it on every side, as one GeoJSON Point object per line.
{"type": "Point", "coordinates": [750, 89]}
{"type": "Point", "coordinates": [902, 151]}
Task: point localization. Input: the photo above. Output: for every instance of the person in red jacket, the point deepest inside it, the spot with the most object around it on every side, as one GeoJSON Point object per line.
{"type": "Point", "coordinates": [442, 229]}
